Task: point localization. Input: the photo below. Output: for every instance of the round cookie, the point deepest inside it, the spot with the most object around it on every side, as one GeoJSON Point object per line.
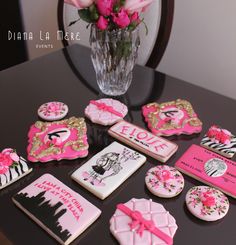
{"type": "Point", "coordinates": [142, 221]}
{"type": "Point", "coordinates": [106, 111]}
{"type": "Point", "coordinates": [207, 203]}
{"type": "Point", "coordinates": [52, 111]}
{"type": "Point", "coordinates": [164, 181]}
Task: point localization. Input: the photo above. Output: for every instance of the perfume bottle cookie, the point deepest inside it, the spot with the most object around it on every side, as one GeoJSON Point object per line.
{"type": "Point", "coordinates": [142, 221]}
{"type": "Point", "coordinates": [108, 169]}
{"type": "Point", "coordinates": [52, 111]}
{"type": "Point", "coordinates": [12, 167]}
{"type": "Point", "coordinates": [65, 139]}
{"type": "Point", "coordinates": [220, 140]}
{"type": "Point", "coordinates": [106, 111]}
{"type": "Point", "coordinates": [207, 203]}
{"type": "Point", "coordinates": [164, 181]}
{"type": "Point", "coordinates": [172, 118]}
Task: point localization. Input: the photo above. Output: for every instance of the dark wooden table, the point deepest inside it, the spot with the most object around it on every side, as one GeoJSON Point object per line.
{"type": "Point", "coordinates": [67, 75]}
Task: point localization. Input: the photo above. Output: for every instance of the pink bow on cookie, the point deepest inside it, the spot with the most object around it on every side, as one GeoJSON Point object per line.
{"type": "Point", "coordinates": [104, 107]}
{"type": "Point", "coordinates": [143, 224]}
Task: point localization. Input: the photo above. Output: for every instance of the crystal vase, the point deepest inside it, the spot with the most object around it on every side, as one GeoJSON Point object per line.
{"type": "Point", "coordinates": [113, 55]}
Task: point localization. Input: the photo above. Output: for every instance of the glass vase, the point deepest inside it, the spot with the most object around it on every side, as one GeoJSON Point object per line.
{"type": "Point", "coordinates": [113, 54]}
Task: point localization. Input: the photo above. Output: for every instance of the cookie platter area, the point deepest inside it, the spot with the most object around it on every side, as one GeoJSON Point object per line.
{"type": "Point", "coordinates": [17, 228]}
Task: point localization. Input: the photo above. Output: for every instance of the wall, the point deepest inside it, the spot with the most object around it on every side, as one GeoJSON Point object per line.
{"type": "Point", "coordinates": [202, 47]}
{"type": "Point", "coordinates": [40, 16]}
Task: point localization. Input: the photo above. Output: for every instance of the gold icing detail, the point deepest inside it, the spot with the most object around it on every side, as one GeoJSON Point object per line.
{"type": "Point", "coordinates": [180, 104]}
{"type": "Point", "coordinates": [71, 123]}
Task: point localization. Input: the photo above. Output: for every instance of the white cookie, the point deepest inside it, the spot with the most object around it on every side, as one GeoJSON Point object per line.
{"type": "Point", "coordinates": [207, 203]}
{"type": "Point", "coordinates": [106, 111]}
{"type": "Point", "coordinates": [52, 111]}
{"type": "Point", "coordinates": [164, 181]}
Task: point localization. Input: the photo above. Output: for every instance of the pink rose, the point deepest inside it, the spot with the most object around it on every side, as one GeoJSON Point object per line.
{"type": "Point", "coordinates": [136, 5]}
{"type": "Point", "coordinates": [10, 152]}
{"type": "Point", "coordinates": [134, 17]}
{"type": "Point", "coordinates": [104, 7]}
{"type": "Point", "coordinates": [121, 18]}
{"type": "Point", "coordinates": [207, 200]}
{"type": "Point", "coordinates": [3, 168]}
{"type": "Point", "coordinates": [102, 23]}
{"type": "Point", "coordinates": [80, 4]}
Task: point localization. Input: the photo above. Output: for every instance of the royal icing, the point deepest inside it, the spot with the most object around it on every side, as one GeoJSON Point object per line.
{"type": "Point", "coordinates": [207, 203]}
{"type": "Point", "coordinates": [106, 111]}
{"type": "Point", "coordinates": [52, 111]}
{"type": "Point", "coordinates": [108, 169]}
{"type": "Point", "coordinates": [12, 167]}
{"type": "Point", "coordinates": [57, 140]}
{"type": "Point", "coordinates": [144, 141]}
{"type": "Point", "coordinates": [164, 181]}
{"type": "Point", "coordinates": [172, 118]}
{"type": "Point", "coordinates": [210, 168]}
{"type": "Point", "coordinates": [142, 221]}
{"type": "Point", "coordinates": [220, 140]}
{"type": "Point", "coordinates": [59, 210]}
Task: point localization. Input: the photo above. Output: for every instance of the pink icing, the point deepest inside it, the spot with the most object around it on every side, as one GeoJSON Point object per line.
{"type": "Point", "coordinates": [207, 203]}
{"type": "Point", "coordinates": [143, 140]}
{"type": "Point", "coordinates": [105, 111]}
{"type": "Point", "coordinates": [164, 181]}
{"type": "Point", "coordinates": [218, 135]}
{"type": "Point", "coordinates": [144, 218]}
{"type": "Point", "coordinates": [142, 224]}
{"type": "Point", "coordinates": [7, 157]}
{"type": "Point", "coordinates": [192, 163]}
{"type": "Point", "coordinates": [207, 199]}
{"type": "Point", "coordinates": [52, 110]}
{"type": "Point", "coordinates": [63, 151]}
{"type": "Point", "coordinates": [177, 120]}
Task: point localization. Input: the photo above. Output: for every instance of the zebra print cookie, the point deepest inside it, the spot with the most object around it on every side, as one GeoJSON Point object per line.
{"type": "Point", "coordinates": [220, 140]}
{"type": "Point", "coordinates": [209, 168]}
{"type": "Point", "coordinates": [12, 167]}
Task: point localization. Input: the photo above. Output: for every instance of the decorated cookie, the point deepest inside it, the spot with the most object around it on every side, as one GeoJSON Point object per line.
{"type": "Point", "coordinates": [105, 111]}
{"type": "Point", "coordinates": [164, 181]}
{"type": "Point", "coordinates": [12, 167]}
{"type": "Point", "coordinates": [142, 221]}
{"type": "Point", "coordinates": [172, 118]}
{"type": "Point", "coordinates": [57, 140]}
{"type": "Point", "coordinates": [220, 140]}
{"type": "Point", "coordinates": [144, 141]}
{"type": "Point", "coordinates": [52, 111]}
{"type": "Point", "coordinates": [207, 203]}
{"type": "Point", "coordinates": [108, 169]}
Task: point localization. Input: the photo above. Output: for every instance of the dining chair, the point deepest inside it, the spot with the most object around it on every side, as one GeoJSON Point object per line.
{"type": "Point", "coordinates": [158, 18]}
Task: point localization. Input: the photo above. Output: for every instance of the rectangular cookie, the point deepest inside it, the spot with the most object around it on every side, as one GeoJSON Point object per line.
{"type": "Point", "coordinates": [144, 141]}
{"type": "Point", "coordinates": [108, 169]}
{"type": "Point", "coordinates": [220, 141]}
{"type": "Point", "coordinates": [210, 168]}
{"type": "Point", "coordinates": [59, 210]}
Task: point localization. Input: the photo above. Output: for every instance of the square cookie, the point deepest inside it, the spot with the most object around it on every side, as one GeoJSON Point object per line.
{"type": "Point", "coordinates": [108, 169]}
{"type": "Point", "coordinates": [65, 139]}
{"type": "Point", "coordinates": [172, 118]}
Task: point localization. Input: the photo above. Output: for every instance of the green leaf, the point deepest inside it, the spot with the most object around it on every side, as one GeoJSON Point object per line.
{"type": "Point", "coordinates": [84, 14]}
